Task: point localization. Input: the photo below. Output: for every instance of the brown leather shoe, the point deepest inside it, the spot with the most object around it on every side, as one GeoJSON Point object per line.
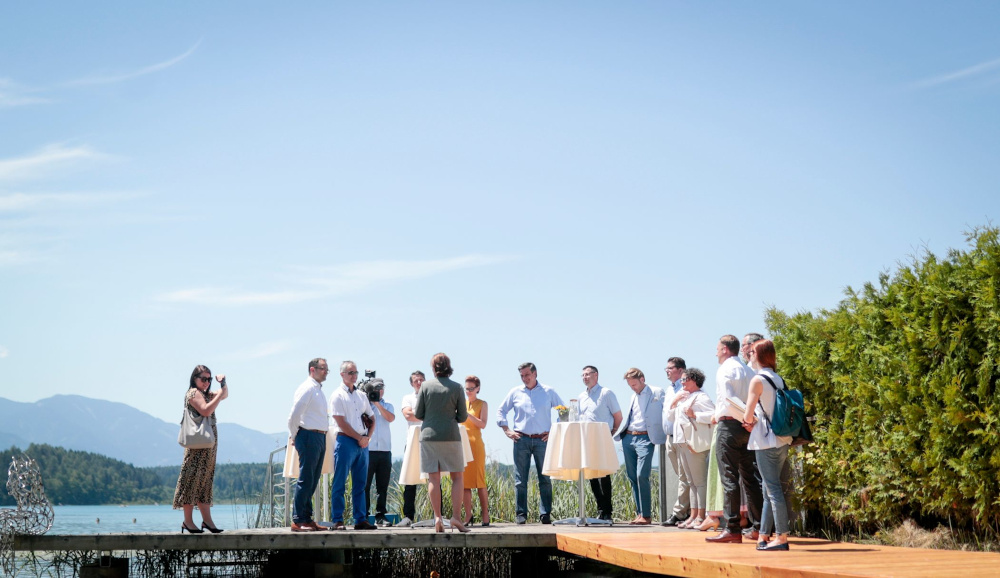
{"type": "Point", "coordinates": [338, 526]}
{"type": "Point", "coordinates": [315, 527]}
{"type": "Point", "coordinates": [726, 537]}
{"type": "Point", "coordinates": [751, 534]}
{"type": "Point", "coordinates": [304, 527]}
{"type": "Point", "coordinates": [640, 521]}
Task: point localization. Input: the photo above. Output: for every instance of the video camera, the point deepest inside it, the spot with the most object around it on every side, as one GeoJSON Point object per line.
{"type": "Point", "coordinates": [372, 386]}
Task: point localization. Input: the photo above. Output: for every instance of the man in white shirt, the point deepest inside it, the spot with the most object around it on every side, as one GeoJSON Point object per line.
{"type": "Point", "coordinates": [307, 427]}
{"type": "Point", "coordinates": [409, 404]}
{"type": "Point", "coordinates": [675, 368]}
{"type": "Point", "coordinates": [380, 453]}
{"type": "Point", "coordinates": [736, 462]}
{"type": "Point", "coordinates": [599, 404]}
{"type": "Point", "coordinates": [350, 454]}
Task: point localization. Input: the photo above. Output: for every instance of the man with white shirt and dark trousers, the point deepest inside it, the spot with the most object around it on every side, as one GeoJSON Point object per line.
{"type": "Point", "coordinates": [417, 378]}
{"type": "Point", "coordinates": [640, 431]}
{"type": "Point", "coordinates": [380, 453]}
{"type": "Point", "coordinates": [532, 404]}
{"type": "Point", "coordinates": [307, 427]}
{"type": "Point", "coordinates": [599, 404]}
{"type": "Point", "coordinates": [736, 462]}
{"type": "Point", "coordinates": [675, 368]}
{"type": "Point", "coordinates": [350, 454]}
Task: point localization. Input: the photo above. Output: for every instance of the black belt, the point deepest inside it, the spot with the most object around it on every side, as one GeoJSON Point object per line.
{"type": "Point", "coordinates": [728, 418]}
{"type": "Point", "coordinates": [319, 431]}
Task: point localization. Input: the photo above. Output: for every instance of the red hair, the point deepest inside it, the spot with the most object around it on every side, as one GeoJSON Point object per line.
{"type": "Point", "coordinates": [763, 350]}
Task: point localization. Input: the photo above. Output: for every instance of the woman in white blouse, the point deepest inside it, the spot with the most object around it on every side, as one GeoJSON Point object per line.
{"type": "Point", "coordinates": [692, 411]}
{"type": "Point", "coordinates": [771, 449]}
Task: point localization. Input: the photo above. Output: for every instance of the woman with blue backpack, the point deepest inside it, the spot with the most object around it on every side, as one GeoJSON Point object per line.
{"type": "Point", "coordinates": [771, 449]}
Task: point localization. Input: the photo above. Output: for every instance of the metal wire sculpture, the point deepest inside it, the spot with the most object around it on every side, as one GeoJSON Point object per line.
{"type": "Point", "coordinates": [34, 513]}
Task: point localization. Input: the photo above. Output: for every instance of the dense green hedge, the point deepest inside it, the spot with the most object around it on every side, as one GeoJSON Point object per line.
{"type": "Point", "coordinates": [902, 378]}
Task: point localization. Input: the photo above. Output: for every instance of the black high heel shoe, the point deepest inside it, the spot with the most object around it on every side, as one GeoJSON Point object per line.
{"type": "Point", "coordinates": [184, 528]}
{"type": "Point", "coordinates": [205, 526]}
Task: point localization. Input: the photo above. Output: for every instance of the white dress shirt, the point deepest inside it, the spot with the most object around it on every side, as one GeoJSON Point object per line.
{"type": "Point", "coordinates": [410, 401]}
{"type": "Point", "coordinates": [349, 405]}
{"type": "Point", "coordinates": [731, 380]}
{"type": "Point", "coordinates": [308, 408]}
{"type": "Point", "coordinates": [638, 420]}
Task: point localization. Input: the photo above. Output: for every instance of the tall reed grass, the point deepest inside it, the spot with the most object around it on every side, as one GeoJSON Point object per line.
{"type": "Point", "coordinates": [501, 492]}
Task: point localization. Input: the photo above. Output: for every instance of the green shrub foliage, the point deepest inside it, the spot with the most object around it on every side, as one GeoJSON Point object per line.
{"type": "Point", "coordinates": [902, 378]}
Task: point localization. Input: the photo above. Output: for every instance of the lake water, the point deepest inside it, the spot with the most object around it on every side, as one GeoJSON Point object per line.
{"type": "Point", "coordinates": [118, 519]}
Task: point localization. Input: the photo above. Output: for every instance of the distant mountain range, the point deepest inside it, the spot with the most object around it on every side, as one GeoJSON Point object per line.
{"type": "Point", "coordinates": [119, 431]}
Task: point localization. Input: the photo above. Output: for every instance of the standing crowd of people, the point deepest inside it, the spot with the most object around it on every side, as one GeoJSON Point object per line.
{"type": "Point", "coordinates": [732, 469]}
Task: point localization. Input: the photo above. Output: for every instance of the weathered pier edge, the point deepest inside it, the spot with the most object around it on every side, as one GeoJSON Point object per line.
{"type": "Point", "coordinates": [529, 549]}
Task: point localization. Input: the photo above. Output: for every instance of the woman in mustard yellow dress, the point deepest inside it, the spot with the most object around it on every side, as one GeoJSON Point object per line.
{"type": "Point", "coordinates": [475, 471]}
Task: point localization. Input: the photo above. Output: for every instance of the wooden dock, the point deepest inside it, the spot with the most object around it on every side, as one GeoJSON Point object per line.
{"type": "Point", "coordinates": [685, 553]}
{"type": "Point", "coordinates": [655, 550]}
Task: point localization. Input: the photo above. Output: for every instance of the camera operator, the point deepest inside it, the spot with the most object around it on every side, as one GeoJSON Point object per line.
{"type": "Point", "coordinates": [380, 448]}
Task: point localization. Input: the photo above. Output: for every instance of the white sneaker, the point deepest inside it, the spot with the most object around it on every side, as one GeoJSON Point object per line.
{"type": "Point", "coordinates": [404, 523]}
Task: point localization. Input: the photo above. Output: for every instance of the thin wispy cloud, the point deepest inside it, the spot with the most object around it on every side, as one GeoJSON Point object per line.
{"type": "Point", "coordinates": [234, 297]}
{"type": "Point", "coordinates": [969, 73]}
{"type": "Point", "coordinates": [120, 77]}
{"type": "Point", "coordinates": [4, 352]}
{"type": "Point", "coordinates": [37, 214]}
{"type": "Point", "coordinates": [37, 201]}
{"type": "Point", "coordinates": [45, 161]}
{"type": "Point", "coordinates": [13, 94]}
{"type": "Point", "coordinates": [330, 282]}
{"type": "Point", "coordinates": [260, 351]}
{"type": "Point", "coordinates": [10, 257]}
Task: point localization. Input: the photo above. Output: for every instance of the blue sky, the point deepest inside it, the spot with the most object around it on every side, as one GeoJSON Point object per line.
{"type": "Point", "coordinates": [251, 185]}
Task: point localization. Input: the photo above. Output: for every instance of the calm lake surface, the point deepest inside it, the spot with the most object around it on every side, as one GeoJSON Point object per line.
{"type": "Point", "coordinates": [118, 519]}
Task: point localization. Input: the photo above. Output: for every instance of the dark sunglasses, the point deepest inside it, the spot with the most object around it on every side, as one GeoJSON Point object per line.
{"type": "Point", "coordinates": [350, 373]}
{"type": "Point", "coordinates": [208, 379]}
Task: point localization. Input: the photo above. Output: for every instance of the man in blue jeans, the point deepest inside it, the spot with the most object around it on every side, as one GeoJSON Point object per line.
{"type": "Point", "coordinates": [350, 455]}
{"type": "Point", "coordinates": [307, 426]}
{"type": "Point", "coordinates": [639, 433]}
{"type": "Point", "coordinates": [532, 404]}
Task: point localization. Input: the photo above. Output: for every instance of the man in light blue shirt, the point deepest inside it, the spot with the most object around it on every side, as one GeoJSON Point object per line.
{"type": "Point", "coordinates": [598, 404]}
{"type": "Point", "coordinates": [532, 404]}
{"type": "Point", "coordinates": [379, 453]}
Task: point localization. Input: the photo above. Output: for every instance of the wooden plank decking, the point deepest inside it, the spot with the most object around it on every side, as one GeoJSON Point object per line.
{"type": "Point", "coordinates": [685, 553]}
{"type": "Point", "coordinates": [656, 550]}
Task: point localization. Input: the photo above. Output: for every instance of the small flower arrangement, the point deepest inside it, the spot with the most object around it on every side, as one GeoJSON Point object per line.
{"type": "Point", "coordinates": [563, 412]}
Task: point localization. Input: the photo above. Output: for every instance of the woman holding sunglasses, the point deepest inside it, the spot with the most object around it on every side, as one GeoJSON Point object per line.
{"type": "Point", "coordinates": [194, 484]}
{"type": "Point", "coordinates": [475, 471]}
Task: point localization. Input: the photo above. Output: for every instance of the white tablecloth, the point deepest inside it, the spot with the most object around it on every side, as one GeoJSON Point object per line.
{"type": "Point", "coordinates": [292, 457]}
{"type": "Point", "coordinates": [575, 446]}
{"type": "Point", "coordinates": [409, 473]}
